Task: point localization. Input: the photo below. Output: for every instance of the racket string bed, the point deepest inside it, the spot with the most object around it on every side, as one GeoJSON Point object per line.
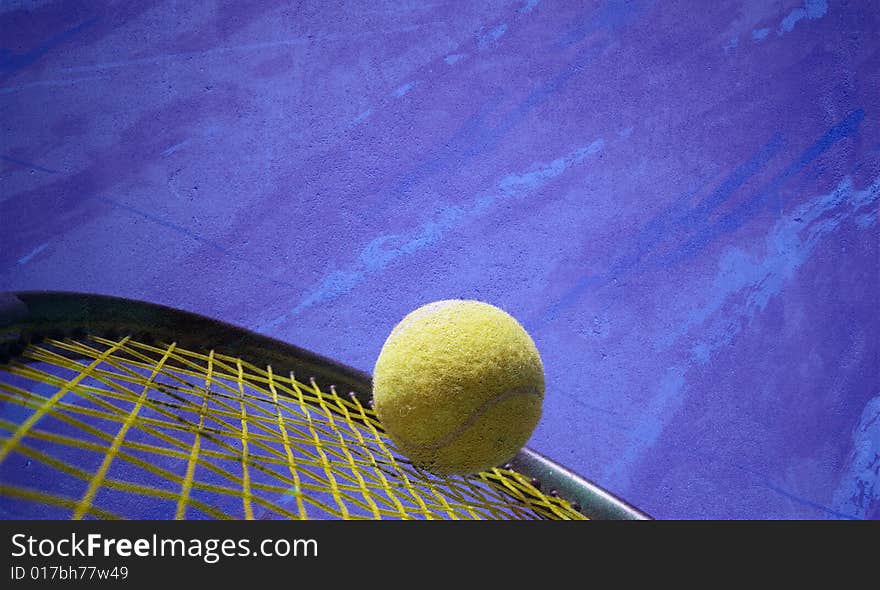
{"type": "Point", "coordinates": [95, 427]}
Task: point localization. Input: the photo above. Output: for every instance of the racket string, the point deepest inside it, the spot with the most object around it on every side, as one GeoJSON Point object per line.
{"type": "Point", "coordinates": [123, 428]}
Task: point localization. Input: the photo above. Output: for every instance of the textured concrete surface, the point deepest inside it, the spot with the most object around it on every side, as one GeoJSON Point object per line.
{"type": "Point", "coordinates": [679, 200]}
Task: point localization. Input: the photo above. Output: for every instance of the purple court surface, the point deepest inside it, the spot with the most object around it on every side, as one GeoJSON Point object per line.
{"type": "Point", "coordinates": [677, 199]}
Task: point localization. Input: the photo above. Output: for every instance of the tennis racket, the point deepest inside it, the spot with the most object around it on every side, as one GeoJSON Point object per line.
{"type": "Point", "coordinates": [114, 408]}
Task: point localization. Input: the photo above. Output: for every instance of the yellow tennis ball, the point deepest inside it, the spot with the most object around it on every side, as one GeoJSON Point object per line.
{"type": "Point", "coordinates": [458, 386]}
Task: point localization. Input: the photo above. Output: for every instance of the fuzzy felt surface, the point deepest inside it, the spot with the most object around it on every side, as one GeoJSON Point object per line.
{"type": "Point", "coordinates": [458, 385]}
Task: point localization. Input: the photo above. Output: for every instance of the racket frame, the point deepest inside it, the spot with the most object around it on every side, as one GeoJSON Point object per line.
{"type": "Point", "coordinates": [30, 316]}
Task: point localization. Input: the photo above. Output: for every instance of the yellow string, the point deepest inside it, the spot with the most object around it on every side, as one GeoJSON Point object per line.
{"type": "Point", "coordinates": [297, 490]}
{"type": "Point", "coordinates": [246, 478]}
{"type": "Point", "coordinates": [334, 487]}
{"type": "Point", "coordinates": [23, 429]}
{"type": "Point", "coordinates": [311, 441]}
{"type": "Point", "coordinates": [86, 501]}
{"type": "Point", "coordinates": [197, 443]}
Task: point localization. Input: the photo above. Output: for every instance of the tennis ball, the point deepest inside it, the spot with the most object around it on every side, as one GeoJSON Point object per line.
{"type": "Point", "coordinates": [458, 386]}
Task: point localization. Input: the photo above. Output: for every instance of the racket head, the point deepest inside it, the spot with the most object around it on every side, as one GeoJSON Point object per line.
{"type": "Point", "coordinates": [115, 407]}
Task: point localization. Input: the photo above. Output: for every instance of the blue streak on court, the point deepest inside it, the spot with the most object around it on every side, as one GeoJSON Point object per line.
{"type": "Point", "coordinates": [11, 63]}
